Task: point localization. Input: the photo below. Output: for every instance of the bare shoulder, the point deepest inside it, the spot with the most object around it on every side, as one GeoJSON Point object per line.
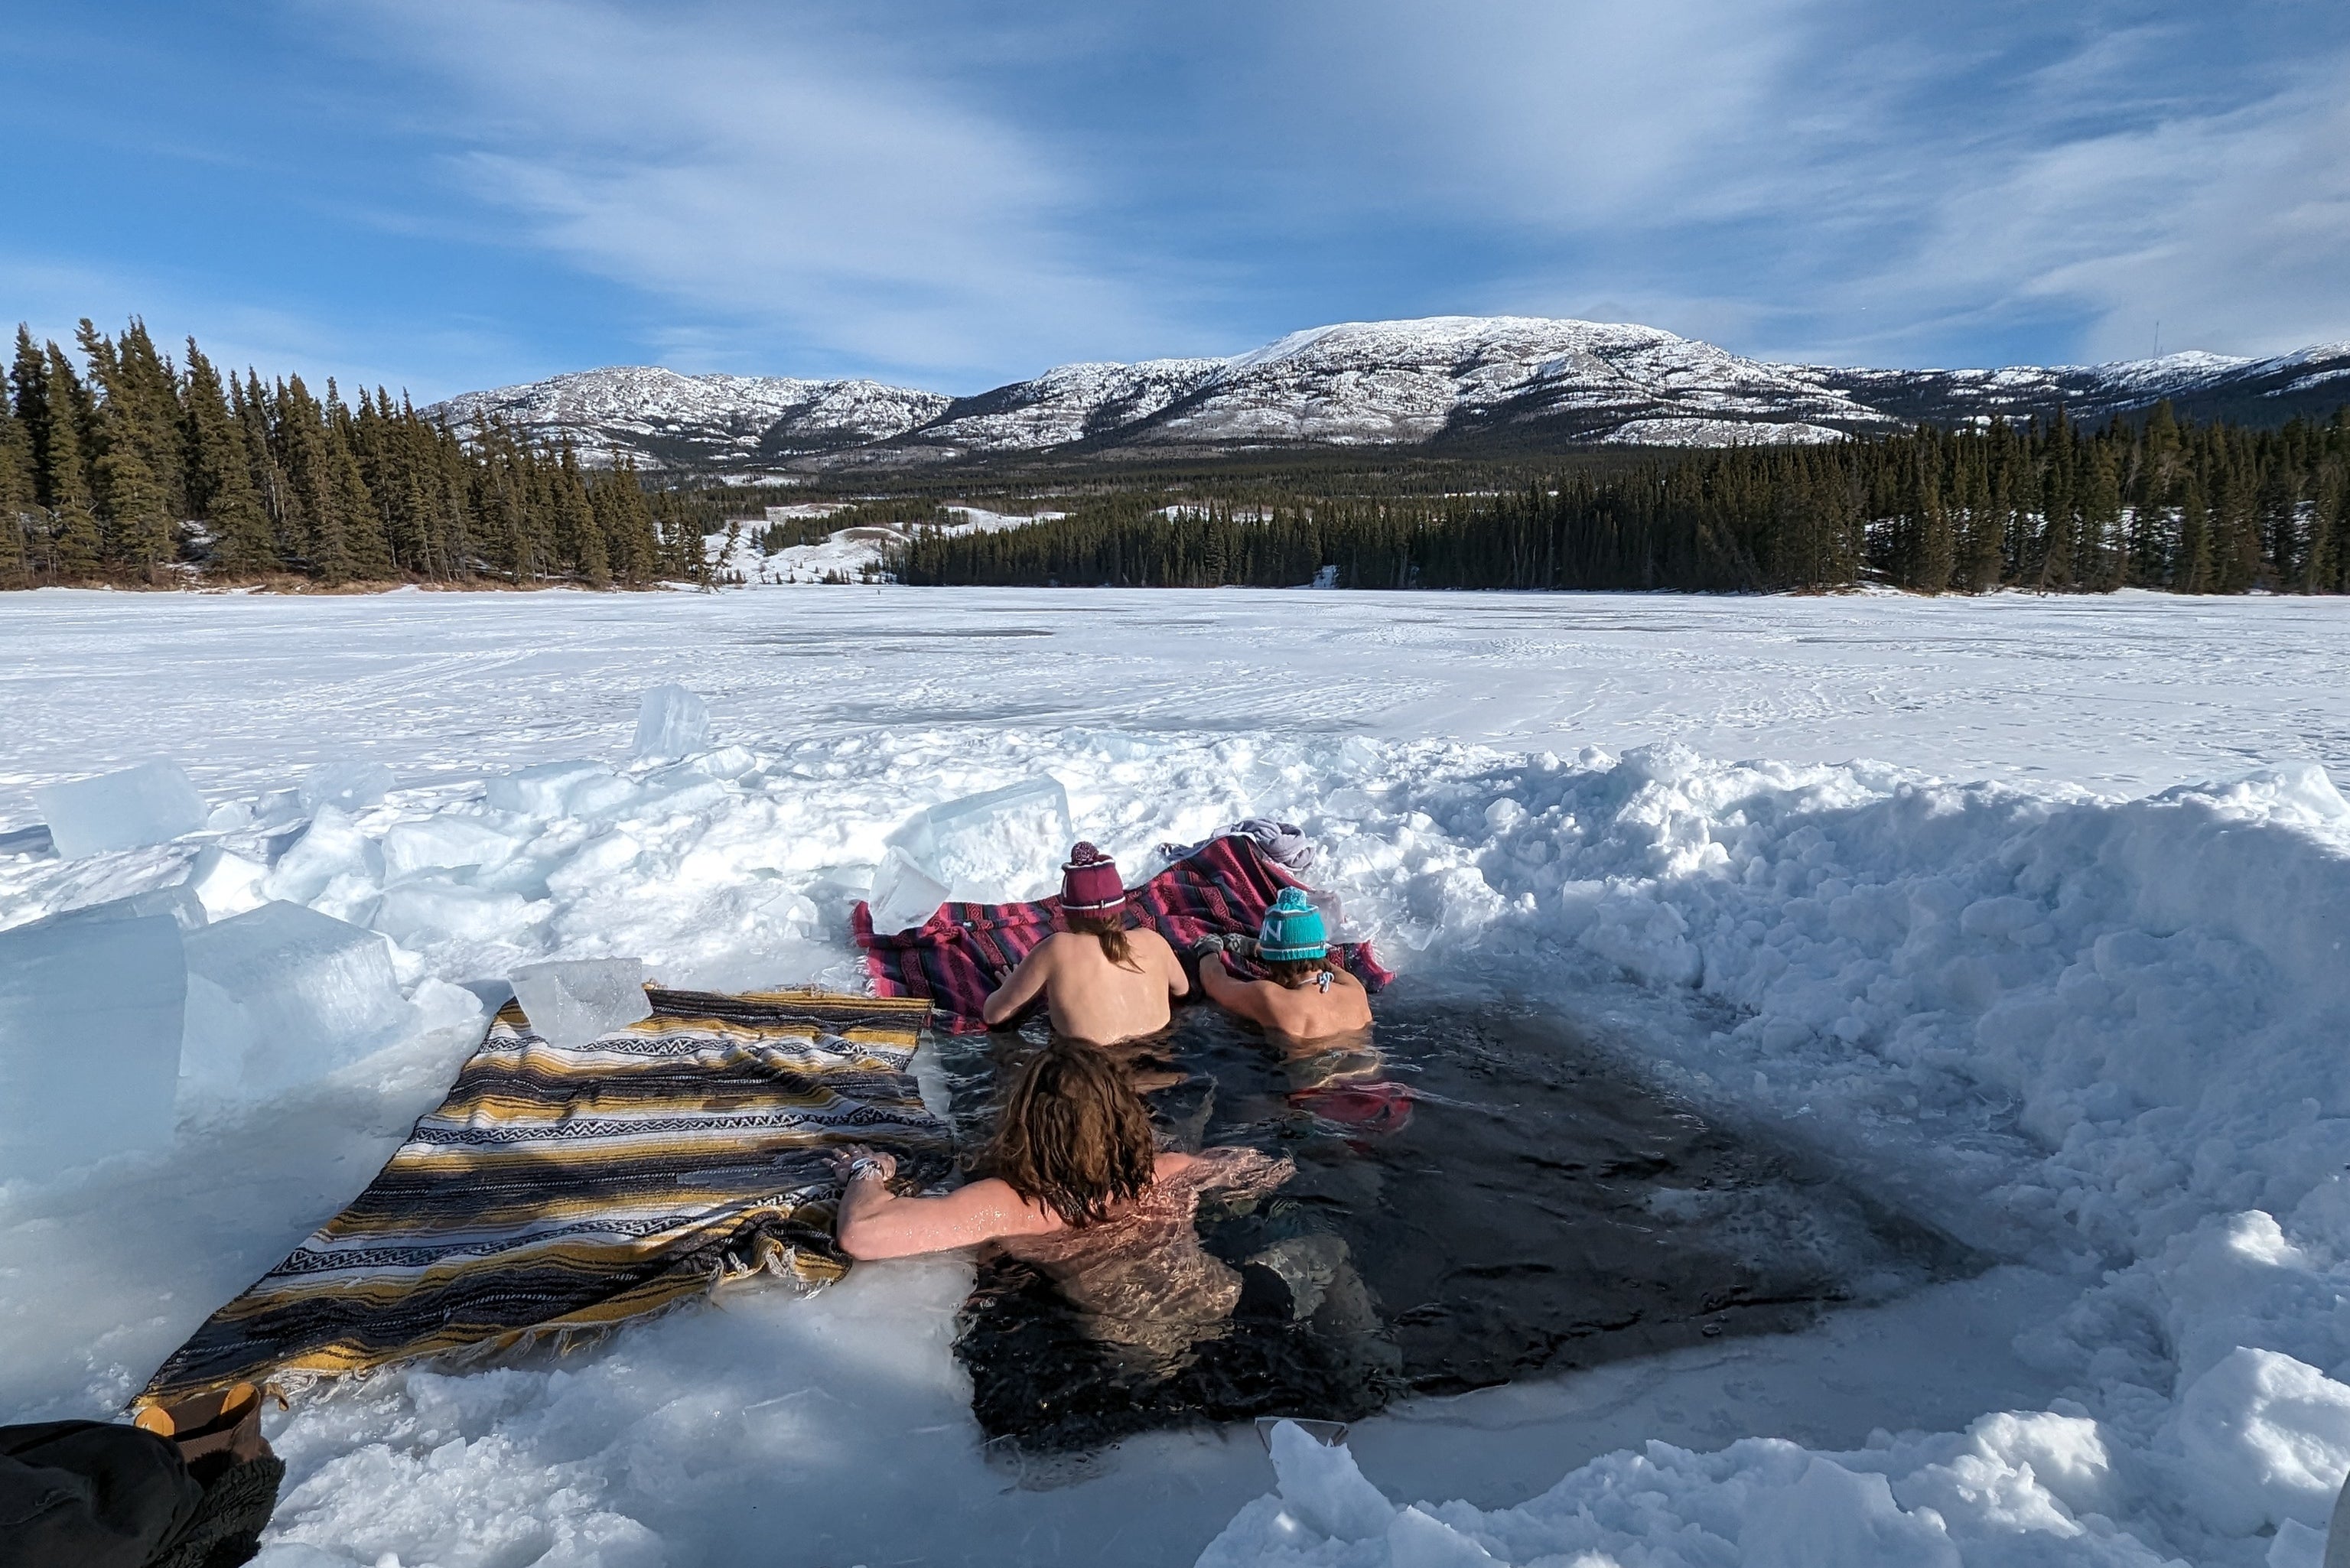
{"type": "Point", "coordinates": [998, 1205]}
{"type": "Point", "coordinates": [1170, 1165]}
{"type": "Point", "coordinates": [1148, 940]}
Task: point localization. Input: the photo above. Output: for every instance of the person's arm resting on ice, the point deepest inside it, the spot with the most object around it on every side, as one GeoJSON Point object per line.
{"type": "Point", "coordinates": [875, 1222]}
{"type": "Point", "coordinates": [1020, 988]}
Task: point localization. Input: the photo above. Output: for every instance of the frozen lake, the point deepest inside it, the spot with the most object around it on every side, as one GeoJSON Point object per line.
{"type": "Point", "coordinates": [2124, 694]}
{"type": "Point", "coordinates": [2086, 1026]}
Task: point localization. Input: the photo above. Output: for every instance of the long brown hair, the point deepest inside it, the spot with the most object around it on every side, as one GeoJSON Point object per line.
{"type": "Point", "coordinates": [1074, 1136]}
{"type": "Point", "coordinates": [1111, 928]}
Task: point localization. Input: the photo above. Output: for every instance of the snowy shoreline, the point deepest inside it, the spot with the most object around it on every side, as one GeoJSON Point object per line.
{"type": "Point", "coordinates": [2088, 1014]}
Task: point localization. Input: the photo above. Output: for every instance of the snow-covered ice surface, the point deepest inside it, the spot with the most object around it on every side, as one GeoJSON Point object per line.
{"type": "Point", "coordinates": [2028, 914]}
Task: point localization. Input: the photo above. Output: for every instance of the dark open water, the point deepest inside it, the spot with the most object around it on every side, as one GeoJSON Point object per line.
{"type": "Point", "coordinates": [1483, 1199]}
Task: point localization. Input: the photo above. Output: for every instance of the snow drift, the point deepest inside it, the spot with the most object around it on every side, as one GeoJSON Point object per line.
{"type": "Point", "coordinates": [2094, 1034]}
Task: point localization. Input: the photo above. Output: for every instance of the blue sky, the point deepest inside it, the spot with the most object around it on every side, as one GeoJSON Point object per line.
{"type": "Point", "coordinates": [446, 195]}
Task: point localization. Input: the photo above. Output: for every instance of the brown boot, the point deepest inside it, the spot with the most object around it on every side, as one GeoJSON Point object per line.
{"type": "Point", "coordinates": [219, 1439]}
{"type": "Point", "coordinates": [213, 1432]}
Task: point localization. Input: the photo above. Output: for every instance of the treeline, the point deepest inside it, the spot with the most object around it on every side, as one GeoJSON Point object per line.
{"type": "Point", "coordinates": [2211, 508]}
{"type": "Point", "coordinates": [131, 468]}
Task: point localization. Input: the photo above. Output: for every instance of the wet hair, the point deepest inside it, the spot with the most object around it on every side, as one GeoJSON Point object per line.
{"type": "Point", "coordinates": [1295, 973]}
{"type": "Point", "coordinates": [1109, 927]}
{"type": "Point", "coordinates": [1073, 1135]}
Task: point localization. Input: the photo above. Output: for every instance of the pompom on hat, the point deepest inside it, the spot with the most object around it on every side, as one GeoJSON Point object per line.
{"type": "Point", "coordinates": [1293, 930]}
{"type": "Point", "coordinates": [1090, 884]}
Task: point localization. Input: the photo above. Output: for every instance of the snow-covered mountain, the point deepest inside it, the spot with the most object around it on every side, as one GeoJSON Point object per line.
{"type": "Point", "coordinates": [667, 420]}
{"type": "Point", "coordinates": [1453, 380]}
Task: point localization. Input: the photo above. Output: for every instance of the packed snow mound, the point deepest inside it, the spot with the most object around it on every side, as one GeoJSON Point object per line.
{"type": "Point", "coordinates": [1354, 383]}
{"type": "Point", "coordinates": [2097, 1033]}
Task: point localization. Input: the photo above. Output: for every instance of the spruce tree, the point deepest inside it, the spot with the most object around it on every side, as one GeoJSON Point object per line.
{"type": "Point", "coordinates": [17, 504]}
{"type": "Point", "coordinates": [131, 508]}
{"type": "Point", "coordinates": [220, 474]}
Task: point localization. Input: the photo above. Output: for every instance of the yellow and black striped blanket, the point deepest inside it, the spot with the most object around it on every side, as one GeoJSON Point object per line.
{"type": "Point", "coordinates": [561, 1190]}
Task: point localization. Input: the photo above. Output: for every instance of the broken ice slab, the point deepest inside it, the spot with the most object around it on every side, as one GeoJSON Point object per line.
{"type": "Point", "coordinates": [904, 895]}
{"type": "Point", "coordinates": [281, 996]}
{"type": "Point", "coordinates": [991, 848]}
{"type": "Point", "coordinates": [558, 789]}
{"type": "Point", "coordinates": [150, 804]}
{"type": "Point", "coordinates": [445, 841]}
{"type": "Point", "coordinates": [332, 846]}
{"type": "Point", "coordinates": [570, 1001]}
{"type": "Point", "coordinates": [415, 914]}
{"type": "Point", "coordinates": [670, 723]}
{"type": "Point", "coordinates": [181, 903]}
{"type": "Point", "coordinates": [346, 785]}
{"type": "Point", "coordinates": [226, 883]}
{"type": "Point", "coordinates": [90, 1017]}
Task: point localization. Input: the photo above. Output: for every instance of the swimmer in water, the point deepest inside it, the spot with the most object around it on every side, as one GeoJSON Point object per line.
{"type": "Point", "coordinates": [1102, 982]}
{"type": "Point", "coordinates": [1308, 996]}
{"type": "Point", "coordinates": [1077, 1186]}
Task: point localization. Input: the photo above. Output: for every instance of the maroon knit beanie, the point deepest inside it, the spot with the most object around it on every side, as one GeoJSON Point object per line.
{"type": "Point", "coordinates": [1090, 883]}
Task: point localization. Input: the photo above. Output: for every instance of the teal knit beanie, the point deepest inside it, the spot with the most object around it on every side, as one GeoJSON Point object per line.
{"type": "Point", "coordinates": [1292, 931]}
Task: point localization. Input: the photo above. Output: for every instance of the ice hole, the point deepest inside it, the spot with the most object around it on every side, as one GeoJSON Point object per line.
{"type": "Point", "coordinates": [570, 1001]}
{"type": "Point", "coordinates": [152, 803]}
{"type": "Point", "coordinates": [1480, 1197]}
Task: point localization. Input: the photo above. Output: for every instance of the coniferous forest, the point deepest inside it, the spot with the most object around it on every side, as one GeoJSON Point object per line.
{"type": "Point", "coordinates": [132, 468]}
{"type": "Point", "coordinates": [2194, 508]}
{"type": "Point", "coordinates": [128, 468]}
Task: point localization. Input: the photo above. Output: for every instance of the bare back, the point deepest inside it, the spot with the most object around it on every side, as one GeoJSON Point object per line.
{"type": "Point", "coordinates": [1310, 1012]}
{"type": "Point", "coordinates": [1090, 997]}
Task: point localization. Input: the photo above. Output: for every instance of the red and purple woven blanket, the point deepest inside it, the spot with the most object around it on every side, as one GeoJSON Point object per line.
{"type": "Point", "coordinates": [953, 958]}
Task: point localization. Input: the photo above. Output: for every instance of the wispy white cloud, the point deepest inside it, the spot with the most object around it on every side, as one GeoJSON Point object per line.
{"type": "Point", "coordinates": [1816, 178]}
{"type": "Point", "coordinates": [763, 167]}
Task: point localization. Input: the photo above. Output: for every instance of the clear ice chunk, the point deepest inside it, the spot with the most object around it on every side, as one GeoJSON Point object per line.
{"type": "Point", "coordinates": [181, 902]}
{"type": "Point", "coordinates": [991, 848]}
{"type": "Point", "coordinates": [442, 842]}
{"type": "Point", "coordinates": [904, 895]}
{"type": "Point", "coordinates": [226, 883]}
{"type": "Point", "coordinates": [92, 1011]}
{"type": "Point", "coordinates": [153, 802]}
{"type": "Point", "coordinates": [570, 1001]}
{"type": "Point", "coordinates": [281, 996]}
{"type": "Point", "coordinates": [346, 785]}
{"type": "Point", "coordinates": [672, 722]}
{"type": "Point", "coordinates": [332, 846]}
{"type": "Point", "coordinates": [417, 913]}
{"type": "Point", "coordinates": [558, 789]}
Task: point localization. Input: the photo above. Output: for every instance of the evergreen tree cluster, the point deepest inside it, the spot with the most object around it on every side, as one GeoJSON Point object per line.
{"type": "Point", "coordinates": [130, 468]}
{"type": "Point", "coordinates": [2047, 506]}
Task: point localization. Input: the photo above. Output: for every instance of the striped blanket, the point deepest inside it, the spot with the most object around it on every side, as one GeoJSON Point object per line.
{"type": "Point", "coordinates": [562, 1190]}
{"type": "Point", "coordinates": [953, 960]}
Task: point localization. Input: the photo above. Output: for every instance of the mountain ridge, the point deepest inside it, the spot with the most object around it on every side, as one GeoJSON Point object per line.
{"type": "Point", "coordinates": [1450, 381]}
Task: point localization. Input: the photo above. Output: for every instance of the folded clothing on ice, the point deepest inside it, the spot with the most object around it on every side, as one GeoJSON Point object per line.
{"type": "Point", "coordinates": [1283, 841]}
{"type": "Point", "coordinates": [953, 960]}
{"type": "Point", "coordinates": [565, 1189]}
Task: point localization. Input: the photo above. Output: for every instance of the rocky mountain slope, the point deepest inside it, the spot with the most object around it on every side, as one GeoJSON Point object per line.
{"type": "Point", "coordinates": [1447, 380]}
